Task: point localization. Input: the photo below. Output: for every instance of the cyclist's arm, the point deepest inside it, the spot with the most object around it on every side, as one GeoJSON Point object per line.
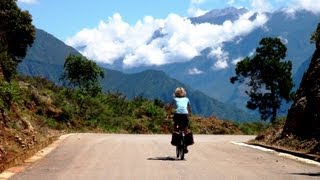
{"type": "Point", "coordinates": [189, 109]}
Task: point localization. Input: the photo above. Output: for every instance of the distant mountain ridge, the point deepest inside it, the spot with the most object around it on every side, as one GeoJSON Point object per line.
{"type": "Point", "coordinates": [294, 30]}
{"type": "Point", "coordinates": [44, 48]}
{"type": "Point", "coordinates": [154, 84]}
{"type": "Point", "coordinates": [218, 16]}
{"type": "Point", "coordinates": [47, 55]}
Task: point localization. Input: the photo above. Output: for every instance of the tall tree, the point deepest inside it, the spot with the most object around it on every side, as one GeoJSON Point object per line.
{"type": "Point", "coordinates": [83, 73]}
{"type": "Point", "coordinates": [16, 34]}
{"type": "Point", "coordinates": [269, 78]}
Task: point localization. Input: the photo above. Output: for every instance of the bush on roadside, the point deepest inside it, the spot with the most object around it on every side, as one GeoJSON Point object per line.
{"type": "Point", "coordinates": [252, 128]}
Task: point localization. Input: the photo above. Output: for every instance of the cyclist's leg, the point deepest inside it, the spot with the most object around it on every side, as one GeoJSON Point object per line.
{"type": "Point", "coordinates": [176, 123]}
{"type": "Point", "coordinates": [176, 127]}
{"type": "Point", "coordinates": [178, 120]}
{"type": "Point", "coordinates": [184, 123]}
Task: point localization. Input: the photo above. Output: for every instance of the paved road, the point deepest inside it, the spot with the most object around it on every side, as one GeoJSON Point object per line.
{"type": "Point", "coordinates": [151, 157]}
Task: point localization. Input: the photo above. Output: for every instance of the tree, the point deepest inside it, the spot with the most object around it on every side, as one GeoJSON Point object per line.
{"type": "Point", "coordinates": [83, 74]}
{"type": "Point", "coordinates": [269, 79]}
{"type": "Point", "coordinates": [16, 34]}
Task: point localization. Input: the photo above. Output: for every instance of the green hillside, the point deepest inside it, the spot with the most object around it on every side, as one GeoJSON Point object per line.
{"type": "Point", "coordinates": [46, 57]}
{"type": "Point", "coordinates": [49, 49]}
{"type": "Point", "coordinates": [154, 84]}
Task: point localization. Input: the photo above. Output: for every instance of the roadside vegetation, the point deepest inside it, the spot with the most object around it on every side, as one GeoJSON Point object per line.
{"type": "Point", "coordinates": [35, 111]}
{"type": "Point", "coordinates": [73, 110]}
{"type": "Point", "coordinates": [41, 111]}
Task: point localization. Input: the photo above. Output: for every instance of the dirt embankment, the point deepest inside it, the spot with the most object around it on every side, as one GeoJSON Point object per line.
{"type": "Point", "coordinates": [16, 146]}
{"type": "Point", "coordinates": [23, 131]}
{"type": "Point", "coordinates": [274, 137]}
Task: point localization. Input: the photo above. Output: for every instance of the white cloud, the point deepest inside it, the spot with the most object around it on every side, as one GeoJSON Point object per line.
{"type": "Point", "coordinates": [309, 5]}
{"type": "Point", "coordinates": [197, 1]}
{"type": "Point", "coordinates": [261, 6]}
{"type": "Point", "coordinates": [28, 1]}
{"type": "Point", "coordinates": [194, 10]}
{"type": "Point", "coordinates": [179, 40]}
{"type": "Point", "coordinates": [145, 54]}
{"type": "Point", "coordinates": [283, 40]}
{"type": "Point", "coordinates": [221, 57]}
{"type": "Point", "coordinates": [231, 2]}
{"type": "Point", "coordinates": [220, 65]}
{"type": "Point", "coordinates": [194, 71]}
{"type": "Point", "coordinates": [235, 61]}
{"type": "Point", "coordinates": [251, 53]}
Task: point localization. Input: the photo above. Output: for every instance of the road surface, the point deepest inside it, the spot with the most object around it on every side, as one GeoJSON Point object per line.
{"type": "Point", "coordinates": [151, 157]}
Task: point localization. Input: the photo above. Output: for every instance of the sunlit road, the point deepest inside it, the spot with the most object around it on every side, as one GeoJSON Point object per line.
{"type": "Point", "coordinates": [111, 156]}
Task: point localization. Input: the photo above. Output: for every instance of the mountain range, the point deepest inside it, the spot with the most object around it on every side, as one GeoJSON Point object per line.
{"type": "Point", "coordinates": [209, 89]}
{"type": "Point", "coordinates": [47, 55]}
{"type": "Point", "coordinates": [294, 30]}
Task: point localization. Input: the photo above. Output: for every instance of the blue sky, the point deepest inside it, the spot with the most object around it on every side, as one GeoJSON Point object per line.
{"type": "Point", "coordinates": [64, 18]}
{"type": "Point", "coordinates": [110, 30]}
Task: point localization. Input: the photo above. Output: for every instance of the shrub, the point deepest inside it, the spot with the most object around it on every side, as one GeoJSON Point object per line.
{"type": "Point", "coordinates": [9, 93]}
{"type": "Point", "coordinates": [252, 128]}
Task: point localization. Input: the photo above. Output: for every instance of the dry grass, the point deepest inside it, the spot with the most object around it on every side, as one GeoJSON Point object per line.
{"type": "Point", "coordinates": [274, 137]}
{"type": "Point", "coordinates": [212, 125]}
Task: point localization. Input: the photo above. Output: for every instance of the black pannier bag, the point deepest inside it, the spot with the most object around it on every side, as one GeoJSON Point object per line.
{"type": "Point", "coordinates": [189, 139]}
{"type": "Point", "coordinates": [175, 138]}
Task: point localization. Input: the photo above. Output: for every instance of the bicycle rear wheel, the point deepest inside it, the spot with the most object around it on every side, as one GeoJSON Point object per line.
{"type": "Point", "coordinates": [181, 152]}
{"type": "Point", "coordinates": [178, 151]}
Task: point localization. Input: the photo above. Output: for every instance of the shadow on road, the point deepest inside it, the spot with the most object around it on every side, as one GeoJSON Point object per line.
{"type": "Point", "coordinates": [307, 174]}
{"type": "Point", "coordinates": [164, 158]}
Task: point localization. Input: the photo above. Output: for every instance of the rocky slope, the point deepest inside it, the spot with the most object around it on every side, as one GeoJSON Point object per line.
{"type": "Point", "coordinates": [23, 131]}
{"type": "Point", "coordinates": [301, 130]}
{"type": "Point", "coordinates": [304, 115]}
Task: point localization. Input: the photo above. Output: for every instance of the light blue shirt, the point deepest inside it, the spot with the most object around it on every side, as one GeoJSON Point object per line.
{"type": "Point", "coordinates": [181, 105]}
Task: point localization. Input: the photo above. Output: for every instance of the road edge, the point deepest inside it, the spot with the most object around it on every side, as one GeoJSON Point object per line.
{"type": "Point", "coordinates": [305, 158]}
{"type": "Point", "coordinates": [295, 153]}
{"type": "Point", "coordinates": [8, 173]}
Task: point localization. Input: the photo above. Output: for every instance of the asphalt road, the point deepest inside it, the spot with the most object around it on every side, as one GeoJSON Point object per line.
{"type": "Point", "coordinates": [138, 157]}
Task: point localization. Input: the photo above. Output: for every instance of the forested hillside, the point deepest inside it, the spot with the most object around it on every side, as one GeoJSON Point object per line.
{"type": "Point", "coordinates": [150, 84]}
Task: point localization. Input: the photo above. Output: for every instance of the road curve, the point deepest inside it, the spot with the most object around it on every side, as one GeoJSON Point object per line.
{"type": "Point", "coordinates": [116, 156]}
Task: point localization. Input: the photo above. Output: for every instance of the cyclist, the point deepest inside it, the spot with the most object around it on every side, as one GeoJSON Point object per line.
{"type": "Point", "coordinates": [182, 109]}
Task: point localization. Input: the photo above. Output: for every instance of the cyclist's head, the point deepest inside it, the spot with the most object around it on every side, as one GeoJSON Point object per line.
{"type": "Point", "coordinates": [180, 92]}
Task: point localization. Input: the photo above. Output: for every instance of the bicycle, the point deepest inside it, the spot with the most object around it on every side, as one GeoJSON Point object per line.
{"type": "Point", "coordinates": [180, 147]}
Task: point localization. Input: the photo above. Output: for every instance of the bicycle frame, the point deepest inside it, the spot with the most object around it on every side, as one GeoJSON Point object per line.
{"type": "Point", "coordinates": [181, 146]}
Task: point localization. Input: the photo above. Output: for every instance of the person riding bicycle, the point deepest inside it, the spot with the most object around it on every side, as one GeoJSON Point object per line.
{"type": "Point", "coordinates": [182, 110]}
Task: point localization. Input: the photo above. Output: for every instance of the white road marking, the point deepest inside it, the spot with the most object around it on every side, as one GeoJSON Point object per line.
{"type": "Point", "coordinates": [254, 147]}
{"type": "Point", "coordinates": [308, 161]}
